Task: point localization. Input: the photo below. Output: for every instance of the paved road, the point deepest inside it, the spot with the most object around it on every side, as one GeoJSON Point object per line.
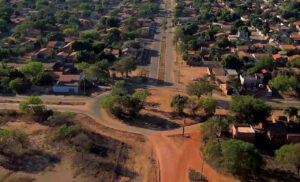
{"type": "Point", "coordinates": [154, 51]}
{"type": "Point", "coordinates": [170, 48]}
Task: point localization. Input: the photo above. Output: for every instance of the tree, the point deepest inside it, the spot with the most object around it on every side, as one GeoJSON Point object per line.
{"type": "Point", "coordinates": [55, 36]}
{"type": "Point", "coordinates": [222, 42]}
{"type": "Point", "coordinates": [291, 111]}
{"type": "Point", "coordinates": [288, 156]}
{"type": "Point", "coordinates": [99, 72]}
{"type": "Point", "coordinates": [284, 83]}
{"type": "Point", "coordinates": [248, 109]}
{"type": "Point", "coordinates": [214, 127]}
{"type": "Point", "coordinates": [43, 78]}
{"type": "Point", "coordinates": [199, 88]}
{"type": "Point", "coordinates": [208, 105]}
{"type": "Point", "coordinates": [19, 85]}
{"type": "Point", "coordinates": [178, 103]}
{"type": "Point", "coordinates": [232, 62]}
{"type": "Point", "coordinates": [32, 69]}
{"type": "Point", "coordinates": [119, 89]}
{"type": "Point", "coordinates": [192, 105]}
{"type": "Point", "coordinates": [141, 94]}
{"type": "Point", "coordinates": [33, 105]}
{"type": "Point", "coordinates": [125, 65]}
{"type": "Point", "coordinates": [240, 158]}
{"type": "Point", "coordinates": [164, 24]}
{"type": "Point", "coordinates": [265, 62]}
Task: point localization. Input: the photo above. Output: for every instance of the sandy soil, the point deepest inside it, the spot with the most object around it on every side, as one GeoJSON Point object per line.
{"type": "Point", "coordinates": [187, 73]}
{"type": "Point", "coordinates": [177, 155]}
{"type": "Point", "coordinates": [139, 150]}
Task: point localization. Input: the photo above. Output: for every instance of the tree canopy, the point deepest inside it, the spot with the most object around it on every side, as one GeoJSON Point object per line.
{"type": "Point", "coordinates": [250, 110]}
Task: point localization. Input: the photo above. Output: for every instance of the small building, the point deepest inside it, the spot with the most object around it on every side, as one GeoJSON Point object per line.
{"type": "Point", "coordinates": [293, 137]}
{"type": "Point", "coordinates": [276, 133]}
{"type": "Point", "coordinates": [67, 84]}
{"type": "Point", "coordinates": [250, 81]}
{"type": "Point", "coordinates": [243, 132]}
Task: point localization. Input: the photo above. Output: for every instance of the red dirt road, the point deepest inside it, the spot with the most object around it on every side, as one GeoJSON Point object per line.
{"type": "Point", "coordinates": [176, 156]}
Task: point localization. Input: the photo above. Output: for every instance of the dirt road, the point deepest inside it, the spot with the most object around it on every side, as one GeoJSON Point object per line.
{"type": "Point", "coordinates": [176, 155]}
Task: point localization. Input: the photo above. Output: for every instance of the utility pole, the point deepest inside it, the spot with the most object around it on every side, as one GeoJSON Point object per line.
{"type": "Point", "coordinates": [183, 127]}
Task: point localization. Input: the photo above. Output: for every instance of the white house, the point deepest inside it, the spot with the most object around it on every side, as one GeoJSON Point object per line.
{"type": "Point", "coordinates": [67, 84]}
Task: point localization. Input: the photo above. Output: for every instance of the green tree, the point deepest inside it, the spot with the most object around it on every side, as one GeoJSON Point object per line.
{"type": "Point", "coordinates": [284, 83]}
{"type": "Point", "coordinates": [178, 103]}
{"type": "Point", "coordinates": [33, 105]}
{"type": "Point", "coordinates": [288, 156]}
{"type": "Point", "coordinates": [291, 111]}
{"type": "Point", "coordinates": [125, 65]}
{"type": "Point", "coordinates": [240, 158]}
{"type": "Point", "coordinates": [232, 62]}
{"type": "Point", "coordinates": [208, 105]}
{"type": "Point", "coordinates": [192, 105]}
{"type": "Point", "coordinates": [19, 85]}
{"type": "Point", "coordinates": [32, 69]}
{"type": "Point", "coordinates": [214, 127]}
{"type": "Point", "coordinates": [99, 72]}
{"type": "Point", "coordinates": [199, 88]}
{"type": "Point", "coordinates": [43, 78]}
{"type": "Point", "coordinates": [141, 94]}
{"type": "Point", "coordinates": [250, 110]}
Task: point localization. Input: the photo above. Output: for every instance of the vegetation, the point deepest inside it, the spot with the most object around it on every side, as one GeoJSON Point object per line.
{"type": "Point", "coordinates": [121, 104]}
{"type": "Point", "coordinates": [237, 157]}
{"type": "Point", "coordinates": [247, 109]}
{"type": "Point", "coordinates": [178, 103]}
{"type": "Point", "coordinates": [288, 156]}
{"type": "Point", "coordinates": [199, 88]}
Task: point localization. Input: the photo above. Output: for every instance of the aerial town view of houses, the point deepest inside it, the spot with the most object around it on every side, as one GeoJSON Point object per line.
{"type": "Point", "coordinates": [149, 90]}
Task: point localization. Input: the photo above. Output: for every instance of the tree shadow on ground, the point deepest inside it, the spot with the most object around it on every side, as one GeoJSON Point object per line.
{"type": "Point", "coordinates": [31, 163]}
{"type": "Point", "coordinates": [277, 175]}
{"type": "Point", "coordinates": [151, 122]}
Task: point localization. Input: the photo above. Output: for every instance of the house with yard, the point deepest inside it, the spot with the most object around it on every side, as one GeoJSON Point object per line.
{"type": "Point", "coordinates": [67, 84]}
{"type": "Point", "coordinates": [243, 132]}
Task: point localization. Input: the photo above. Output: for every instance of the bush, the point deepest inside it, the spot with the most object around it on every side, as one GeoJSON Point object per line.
{"type": "Point", "coordinates": [13, 142]}
{"type": "Point", "coordinates": [67, 132]}
{"type": "Point", "coordinates": [43, 78]}
{"type": "Point", "coordinates": [19, 85]}
{"type": "Point", "coordinates": [62, 118]}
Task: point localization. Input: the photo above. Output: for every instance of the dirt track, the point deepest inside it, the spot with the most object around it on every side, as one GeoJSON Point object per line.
{"type": "Point", "coordinates": [177, 155]}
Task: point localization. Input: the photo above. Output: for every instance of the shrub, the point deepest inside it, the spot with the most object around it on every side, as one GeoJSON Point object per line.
{"type": "Point", "coordinates": [65, 131]}
{"type": "Point", "coordinates": [61, 118]}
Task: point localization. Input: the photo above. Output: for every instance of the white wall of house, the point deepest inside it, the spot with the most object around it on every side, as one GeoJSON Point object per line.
{"type": "Point", "coordinates": [65, 89]}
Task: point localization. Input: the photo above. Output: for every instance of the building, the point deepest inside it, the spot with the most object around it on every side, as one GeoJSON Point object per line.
{"type": "Point", "coordinates": [276, 133]}
{"type": "Point", "coordinates": [243, 132]}
{"type": "Point", "coordinates": [67, 84]}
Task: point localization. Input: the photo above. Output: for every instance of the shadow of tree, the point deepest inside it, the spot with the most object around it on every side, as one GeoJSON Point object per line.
{"type": "Point", "coordinates": [31, 163]}
{"type": "Point", "coordinates": [277, 175]}
{"type": "Point", "coordinates": [151, 122]}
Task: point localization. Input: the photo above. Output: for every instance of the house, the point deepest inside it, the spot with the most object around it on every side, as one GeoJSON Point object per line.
{"type": "Point", "coordinates": [221, 82]}
{"type": "Point", "coordinates": [243, 132]}
{"type": "Point", "coordinates": [67, 84]}
{"type": "Point", "coordinates": [276, 133]}
{"type": "Point", "coordinates": [218, 71]}
{"type": "Point", "coordinates": [251, 81]}
{"type": "Point", "coordinates": [230, 72]}
{"type": "Point", "coordinates": [293, 137]}
{"type": "Point", "coordinates": [116, 53]}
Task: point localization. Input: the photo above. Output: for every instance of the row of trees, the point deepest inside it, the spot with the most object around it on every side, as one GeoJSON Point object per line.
{"type": "Point", "coordinates": [19, 81]}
